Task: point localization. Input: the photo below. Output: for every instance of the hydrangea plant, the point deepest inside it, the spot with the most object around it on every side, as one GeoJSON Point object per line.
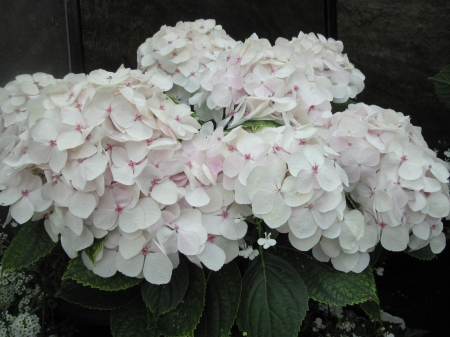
{"type": "Point", "coordinates": [222, 182]}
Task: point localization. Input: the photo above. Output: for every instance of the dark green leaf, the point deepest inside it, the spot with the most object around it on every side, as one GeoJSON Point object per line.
{"type": "Point", "coordinates": [77, 271]}
{"type": "Point", "coordinates": [29, 245]}
{"type": "Point", "coordinates": [132, 321]}
{"type": "Point", "coordinates": [223, 291]}
{"type": "Point", "coordinates": [339, 107]}
{"type": "Point", "coordinates": [92, 298]}
{"type": "Point", "coordinates": [93, 250]}
{"type": "Point", "coordinates": [253, 125]}
{"type": "Point", "coordinates": [274, 299]}
{"type": "Point", "coordinates": [372, 309]}
{"type": "Point", "coordinates": [327, 285]}
{"type": "Point", "coordinates": [441, 83]}
{"type": "Point", "coordinates": [424, 253]}
{"type": "Point", "coordinates": [165, 297]}
{"type": "Point", "coordinates": [184, 318]}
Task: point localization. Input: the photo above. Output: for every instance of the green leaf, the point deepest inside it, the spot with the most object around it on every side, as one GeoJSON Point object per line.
{"type": "Point", "coordinates": [132, 321]}
{"type": "Point", "coordinates": [184, 318]}
{"type": "Point", "coordinates": [253, 125]}
{"type": "Point", "coordinates": [339, 107]}
{"type": "Point", "coordinates": [93, 250]}
{"type": "Point", "coordinates": [424, 253]}
{"type": "Point", "coordinates": [77, 271]}
{"type": "Point", "coordinates": [223, 291]}
{"type": "Point", "coordinates": [173, 99]}
{"type": "Point", "coordinates": [29, 245]}
{"type": "Point", "coordinates": [274, 299]}
{"type": "Point", "coordinates": [165, 297]}
{"type": "Point", "coordinates": [92, 298]}
{"type": "Point", "coordinates": [327, 285]}
{"type": "Point", "coordinates": [372, 309]}
{"type": "Point", "coordinates": [441, 83]}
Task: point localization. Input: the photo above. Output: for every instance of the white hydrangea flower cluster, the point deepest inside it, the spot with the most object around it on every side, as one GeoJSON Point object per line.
{"type": "Point", "coordinates": [251, 79]}
{"type": "Point", "coordinates": [110, 156]}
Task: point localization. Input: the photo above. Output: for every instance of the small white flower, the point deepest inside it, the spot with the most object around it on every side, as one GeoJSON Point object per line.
{"type": "Point", "coordinates": [379, 271]}
{"type": "Point", "coordinates": [267, 241]}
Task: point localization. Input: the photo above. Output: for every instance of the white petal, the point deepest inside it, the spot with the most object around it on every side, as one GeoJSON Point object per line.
{"type": "Point", "coordinates": [438, 243]}
{"type": "Point", "coordinates": [305, 244]}
{"type": "Point", "coordinates": [157, 268]}
{"type": "Point", "coordinates": [131, 267]}
{"type": "Point", "coordinates": [165, 192]}
{"type": "Point", "coordinates": [394, 238]}
{"type": "Point", "coordinates": [82, 204]}
{"type": "Point", "coordinates": [212, 256]}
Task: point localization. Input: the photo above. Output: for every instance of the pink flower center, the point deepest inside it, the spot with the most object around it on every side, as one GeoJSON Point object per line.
{"type": "Point", "coordinates": [405, 213]}
{"type": "Point", "coordinates": [24, 150]}
{"type": "Point", "coordinates": [238, 59]}
{"type": "Point", "coordinates": [71, 95]}
{"type": "Point", "coordinates": [79, 106]}
{"type": "Point", "coordinates": [149, 142]}
{"type": "Point", "coordinates": [178, 119]}
{"type": "Point", "coordinates": [131, 164]}
{"type": "Point", "coordinates": [161, 107]}
{"type": "Point", "coordinates": [118, 209]}
{"type": "Point", "coordinates": [79, 127]}
{"type": "Point", "coordinates": [109, 147]}
{"type": "Point", "coordinates": [430, 166]}
{"type": "Point", "coordinates": [247, 112]}
{"type": "Point", "coordinates": [427, 194]}
{"type": "Point", "coordinates": [176, 227]}
{"type": "Point", "coordinates": [315, 168]}
{"type": "Point", "coordinates": [80, 160]}
{"type": "Point", "coordinates": [277, 148]}
{"type": "Point", "coordinates": [109, 110]}
{"type": "Point", "coordinates": [154, 182]}
{"type": "Point", "coordinates": [433, 227]}
{"type": "Point", "coordinates": [296, 88]}
{"type": "Point", "coordinates": [350, 144]}
{"type": "Point", "coordinates": [52, 143]}
{"type": "Point", "coordinates": [248, 156]}
{"type": "Point", "coordinates": [224, 214]}
{"type": "Point", "coordinates": [302, 142]}
{"type": "Point", "coordinates": [232, 148]}
{"type": "Point", "coordinates": [211, 238]}
{"type": "Point", "coordinates": [372, 192]}
{"type": "Point", "coordinates": [25, 193]}
{"type": "Point", "coordinates": [17, 110]}
{"type": "Point", "coordinates": [88, 137]}
{"type": "Point", "coordinates": [310, 206]}
{"type": "Point", "coordinates": [169, 42]}
{"type": "Point", "coordinates": [138, 118]}
{"type": "Point", "coordinates": [159, 65]}
{"type": "Point", "coordinates": [382, 224]}
{"type": "Point", "coordinates": [144, 251]}
{"type": "Point", "coordinates": [219, 138]}
{"type": "Point", "coordinates": [46, 216]}
{"type": "Point", "coordinates": [232, 113]}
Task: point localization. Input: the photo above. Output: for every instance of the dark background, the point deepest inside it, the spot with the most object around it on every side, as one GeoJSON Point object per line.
{"type": "Point", "coordinates": [396, 44]}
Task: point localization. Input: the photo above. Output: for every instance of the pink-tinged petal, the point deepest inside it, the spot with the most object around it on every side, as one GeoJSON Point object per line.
{"type": "Point", "coordinates": [140, 131]}
{"type": "Point", "coordinates": [216, 200]}
{"type": "Point", "coordinates": [82, 204]}
{"type": "Point", "coordinates": [330, 247]}
{"type": "Point", "coordinates": [65, 243]}
{"type": "Point", "coordinates": [69, 140]}
{"type": "Point", "coordinates": [131, 267]}
{"type": "Point", "coordinates": [291, 197]}
{"type": "Point", "coordinates": [350, 156]}
{"type": "Point", "coordinates": [410, 171]}
{"type": "Point", "coordinates": [9, 196]}
{"type": "Point", "coordinates": [58, 159]}
{"type": "Point", "coordinates": [306, 243]}
{"type": "Point", "coordinates": [151, 211]}
{"type": "Point", "coordinates": [132, 220]}
{"type": "Point", "coordinates": [80, 242]}
{"type": "Point", "coordinates": [74, 223]}
{"type": "Point", "coordinates": [130, 248]}
{"type": "Point", "coordinates": [302, 224]}
{"type": "Point", "coordinates": [422, 230]}
{"type": "Point", "coordinates": [105, 218]}
{"type": "Point", "coordinates": [439, 205]}
{"type": "Point", "coordinates": [168, 239]}
{"type": "Point", "coordinates": [106, 267]}
{"type": "Point", "coordinates": [157, 268]}
{"type": "Point", "coordinates": [221, 95]}
{"type": "Point", "coordinates": [95, 166]}
{"type": "Point", "coordinates": [345, 262]}
{"type": "Point", "coordinates": [328, 201]}
{"type": "Point", "coordinates": [40, 152]}
{"type": "Point", "coordinates": [297, 162]}
{"type": "Point", "coordinates": [279, 214]}
{"type": "Point", "coordinates": [305, 181]}
{"type": "Point", "coordinates": [232, 230]}
{"type": "Point", "coordinates": [22, 210]}
{"type": "Point", "coordinates": [319, 255]}
{"type": "Point", "coordinates": [165, 192]}
{"type": "Point", "coordinates": [189, 243]}
{"type": "Point", "coordinates": [123, 175]}
{"type": "Point", "coordinates": [263, 202]}
{"type": "Point", "coordinates": [438, 243]}
{"type": "Point", "coordinates": [233, 165]}
{"type": "Point", "coordinates": [123, 114]}
{"type": "Point", "coordinates": [328, 178]}
{"type": "Point", "coordinates": [363, 262]}
{"type": "Point", "coordinates": [212, 256]}
{"type": "Point", "coordinates": [395, 238]}
{"type": "Point", "coordinates": [197, 197]}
